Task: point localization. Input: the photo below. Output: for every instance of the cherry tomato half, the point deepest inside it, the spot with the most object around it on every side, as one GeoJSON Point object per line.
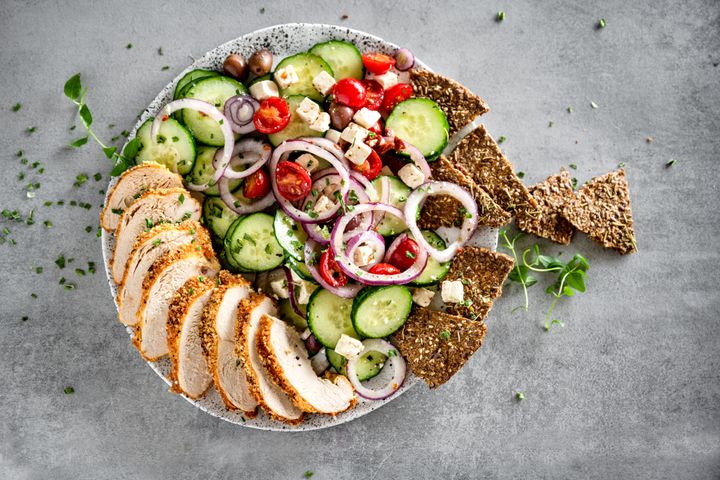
{"type": "Point", "coordinates": [374, 94]}
{"type": "Point", "coordinates": [330, 271]}
{"type": "Point", "coordinates": [256, 185]}
{"type": "Point", "coordinates": [371, 167]}
{"type": "Point", "coordinates": [384, 269]}
{"type": "Point", "coordinates": [378, 63]}
{"type": "Point", "coordinates": [405, 254]}
{"type": "Point", "coordinates": [272, 116]}
{"type": "Point", "coordinates": [350, 92]}
{"type": "Point", "coordinates": [293, 181]}
{"type": "Point", "coordinates": [395, 95]}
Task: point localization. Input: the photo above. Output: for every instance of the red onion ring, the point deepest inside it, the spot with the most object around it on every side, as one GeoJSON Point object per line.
{"type": "Point", "coordinates": [367, 184]}
{"type": "Point", "coordinates": [404, 59]}
{"type": "Point", "coordinates": [291, 291]}
{"type": "Point", "coordinates": [212, 112]}
{"type": "Point", "coordinates": [328, 145]}
{"type": "Point", "coordinates": [396, 362]}
{"type": "Point", "coordinates": [418, 159]}
{"type": "Point", "coordinates": [239, 110]}
{"type": "Point", "coordinates": [394, 245]}
{"type": "Point", "coordinates": [374, 240]}
{"type": "Point", "coordinates": [248, 145]}
{"type": "Point", "coordinates": [304, 146]}
{"type": "Point", "coordinates": [470, 222]}
{"type": "Point", "coordinates": [313, 231]}
{"type": "Point", "coordinates": [347, 291]}
{"type": "Point", "coordinates": [355, 272]}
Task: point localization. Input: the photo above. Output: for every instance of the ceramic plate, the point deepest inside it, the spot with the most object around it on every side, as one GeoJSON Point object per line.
{"type": "Point", "coordinates": [281, 40]}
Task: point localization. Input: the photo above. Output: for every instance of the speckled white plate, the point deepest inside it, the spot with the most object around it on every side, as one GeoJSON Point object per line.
{"type": "Point", "coordinates": [281, 40]}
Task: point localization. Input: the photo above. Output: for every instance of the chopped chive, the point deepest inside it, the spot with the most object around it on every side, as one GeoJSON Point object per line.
{"type": "Point", "coordinates": [521, 174]}
{"type": "Point", "coordinates": [69, 390]}
{"type": "Point", "coordinates": [601, 23]}
{"type": "Point", "coordinates": [16, 107]}
{"type": "Point", "coordinates": [502, 138]}
{"type": "Point", "coordinates": [520, 396]}
{"type": "Point", "coordinates": [670, 163]}
{"type": "Point", "coordinates": [573, 166]}
{"type": "Point", "coordinates": [500, 16]}
{"type": "Point", "coordinates": [129, 46]}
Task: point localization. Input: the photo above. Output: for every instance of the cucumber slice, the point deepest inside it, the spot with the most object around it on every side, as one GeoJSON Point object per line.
{"type": "Point", "coordinates": [296, 128]}
{"type": "Point", "coordinates": [307, 66]}
{"type": "Point", "coordinates": [217, 216]}
{"type": "Point", "coordinates": [215, 91]}
{"type": "Point", "coordinates": [434, 271]}
{"type": "Point", "coordinates": [267, 76]}
{"type": "Point", "coordinates": [369, 365]}
{"type": "Point", "coordinates": [290, 235]}
{"type": "Point", "coordinates": [174, 147]}
{"type": "Point", "coordinates": [301, 269]}
{"type": "Point", "coordinates": [251, 245]}
{"type": "Point", "coordinates": [390, 224]}
{"type": "Point", "coordinates": [288, 314]}
{"type": "Point", "coordinates": [203, 172]}
{"type": "Point", "coordinates": [190, 77]}
{"type": "Point", "coordinates": [420, 122]}
{"type": "Point", "coordinates": [328, 317]}
{"type": "Point", "coordinates": [380, 311]}
{"type": "Point", "coordinates": [343, 57]}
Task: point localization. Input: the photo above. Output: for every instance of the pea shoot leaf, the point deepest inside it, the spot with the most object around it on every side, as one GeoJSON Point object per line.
{"type": "Point", "coordinates": [73, 87]}
{"type": "Point", "coordinates": [79, 142]}
{"type": "Point", "coordinates": [131, 149]}
{"type": "Point", "coordinates": [109, 152]}
{"type": "Point", "coordinates": [86, 116]}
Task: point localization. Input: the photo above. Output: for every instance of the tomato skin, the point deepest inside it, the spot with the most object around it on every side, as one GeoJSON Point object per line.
{"type": "Point", "coordinates": [350, 92]}
{"type": "Point", "coordinates": [395, 95]}
{"type": "Point", "coordinates": [405, 254]}
{"type": "Point", "coordinates": [384, 269]}
{"type": "Point", "coordinates": [374, 94]}
{"type": "Point", "coordinates": [256, 185]}
{"type": "Point", "coordinates": [378, 63]}
{"type": "Point", "coordinates": [272, 116]}
{"type": "Point", "coordinates": [293, 181]}
{"type": "Point", "coordinates": [371, 167]}
{"type": "Point", "coordinates": [330, 271]}
{"type": "Point", "coordinates": [378, 128]}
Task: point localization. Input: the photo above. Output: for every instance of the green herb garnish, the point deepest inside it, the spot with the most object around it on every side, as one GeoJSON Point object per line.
{"type": "Point", "coordinates": [500, 16]}
{"type": "Point", "coordinates": [16, 107]}
{"type": "Point", "coordinates": [444, 335]}
{"type": "Point", "coordinates": [69, 390]}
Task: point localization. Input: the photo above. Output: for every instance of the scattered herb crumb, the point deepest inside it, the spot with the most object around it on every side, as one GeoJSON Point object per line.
{"type": "Point", "coordinates": [48, 224]}
{"type": "Point", "coordinates": [670, 163]}
{"type": "Point", "coordinates": [129, 46]}
{"type": "Point", "coordinates": [500, 16]}
{"type": "Point", "coordinates": [594, 105]}
{"type": "Point", "coordinates": [31, 130]}
{"type": "Point", "coordinates": [520, 396]}
{"type": "Point", "coordinates": [601, 23]}
{"type": "Point", "coordinates": [569, 109]}
{"type": "Point", "coordinates": [502, 138]}
{"type": "Point", "coordinates": [521, 174]}
{"type": "Point", "coordinates": [621, 165]}
{"type": "Point", "coordinates": [24, 319]}
{"type": "Point", "coordinates": [69, 390]}
{"type": "Point", "coordinates": [574, 182]}
{"type": "Point", "coordinates": [34, 295]}
{"type": "Point", "coordinates": [38, 270]}
{"type": "Point", "coordinates": [550, 124]}
{"type": "Point", "coordinates": [445, 335]}
{"type": "Point", "coordinates": [308, 474]}
{"type": "Point", "coordinates": [160, 51]}
{"type": "Point", "coordinates": [262, 10]}
{"type": "Point", "coordinates": [97, 177]}
{"type": "Point", "coordinates": [166, 67]}
{"type": "Point", "coordinates": [60, 261]}
{"type": "Point", "coordinates": [573, 166]}
{"type": "Point", "coordinates": [16, 107]}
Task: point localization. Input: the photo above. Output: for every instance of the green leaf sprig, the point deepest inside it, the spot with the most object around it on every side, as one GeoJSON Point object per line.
{"type": "Point", "coordinates": [76, 93]}
{"type": "Point", "coordinates": [570, 275]}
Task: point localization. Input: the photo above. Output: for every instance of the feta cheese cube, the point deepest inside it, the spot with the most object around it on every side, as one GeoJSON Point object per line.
{"type": "Point", "coordinates": [363, 255]}
{"type": "Point", "coordinates": [321, 123]}
{"type": "Point", "coordinates": [323, 204]}
{"type": "Point", "coordinates": [265, 89]}
{"type": "Point", "coordinates": [308, 110]}
{"type": "Point", "coordinates": [353, 131]}
{"type": "Point", "coordinates": [452, 291]}
{"type": "Point", "coordinates": [423, 296]}
{"type": "Point", "coordinates": [303, 291]}
{"type": "Point", "coordinates": [349, 347]}
{"type": "Point", "coordinates": [411, 175]}
{"type": "Point", "coordinates": [323, 82]}
{"type": "Point", "coordinates": [366, 118]}
{"type": "Point", "coordinates": [358, 152]}
{"type": "Point", "coordinates": [387, 80]}
{"type": "Point", "coordinates": [286, 76]}
{"type": "Point", "coordinates": [385, 170]}
{"type": "Point", "coordinates": [308, 162]}
{"type": "Point", "coordinates": [333, 135]}
{"type": "Point", "coordinates": [279, 288]}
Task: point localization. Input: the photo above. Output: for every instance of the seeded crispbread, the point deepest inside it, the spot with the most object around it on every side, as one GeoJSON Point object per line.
{"type": "Point", "coordinates": [482, 273]}
{"type": "Point", "coordinates": [436, 345]}
{"type": "Point", "coordinates": [460, 105]}
{"type": "Point", "coordinates": [552, 195]}
{"type": "Point", "coordinates": [601, 209]}
{"type": "Point", "coordinates": [444, 210]}
{"type": "Point", "coordinates": [481, 157]}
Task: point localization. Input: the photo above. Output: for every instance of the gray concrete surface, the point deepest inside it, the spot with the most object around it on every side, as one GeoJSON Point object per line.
{"type": "Point", "coordinates": [629, 388]}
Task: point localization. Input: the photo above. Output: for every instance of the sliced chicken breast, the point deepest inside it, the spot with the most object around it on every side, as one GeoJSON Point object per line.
{"type": "Point", "coordinates": [133, 183]}
{"type": "Point", "coordinates": [285, 357]}
{"type": "Point", "coordinates": [219, 338]}
{"type": "Point", "coordinates": [147, 249]}
{"type": "Point", "coordinates": [154, 206]}
{"type": "Point", "coordinates": [190, 374]}
{"type": "Point", "coordinates": [167, 275]}
{"type": "Point", "coordinates": [269, 396]}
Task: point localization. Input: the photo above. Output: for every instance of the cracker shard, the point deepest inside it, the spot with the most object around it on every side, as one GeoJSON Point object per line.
{"type": "Point", "coordinates": [482, 273]}
{"type": "Point", "coordinates": [551, 195]}
{"type": "Point", "coordinates": [460, 105]}
{"type": "Point", "coordinates": [444, 210]}
{"type": "Point", "coordinates": [436, 345]}
{"type": "Point", "coordinates": [480, 155]}
{"type": "Point", "coordinates": [601, 209]}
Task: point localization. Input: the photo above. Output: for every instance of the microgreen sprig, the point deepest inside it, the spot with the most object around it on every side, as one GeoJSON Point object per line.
{"type": "Point", "coordinates": [76, 93]}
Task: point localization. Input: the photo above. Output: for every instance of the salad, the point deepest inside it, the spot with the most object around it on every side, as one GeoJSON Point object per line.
{"type": "Point", "coordinates": [311, 179]}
